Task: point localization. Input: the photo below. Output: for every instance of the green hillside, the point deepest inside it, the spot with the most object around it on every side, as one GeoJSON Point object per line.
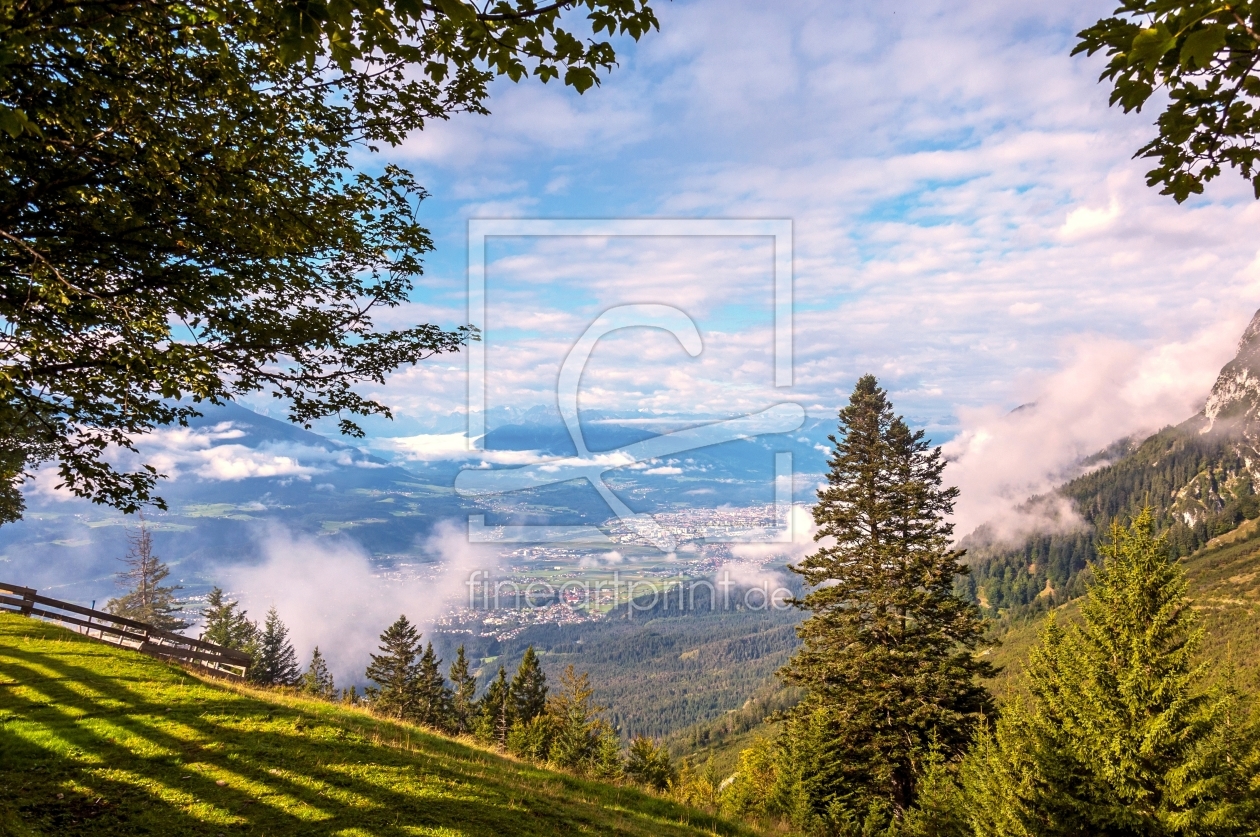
{"type": "Point", "coordinates": [1224, 580]}
{"type": "Point", "coordinates": [100, 740]}
{"type": "Point", "coordinates": [1199, 479]}
{"type": "Point", "coordinates": [1198, 486]}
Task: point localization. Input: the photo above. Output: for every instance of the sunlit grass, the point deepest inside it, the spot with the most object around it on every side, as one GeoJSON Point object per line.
{"type": "Point", "coordinates": [100, 740]}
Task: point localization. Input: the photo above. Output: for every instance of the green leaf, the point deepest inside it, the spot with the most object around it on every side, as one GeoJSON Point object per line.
{"type": "Point", "coordinates": [456, 10]}
{"type": "Point", "coordinates": [1150, 45]}
{"type": "Point", "coordinates": [14, 123]}
{"type": "Point", "coordinates": [1201, 45]}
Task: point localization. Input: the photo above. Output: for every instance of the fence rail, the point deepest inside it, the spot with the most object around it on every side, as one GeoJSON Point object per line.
{"type": "Point", "coordinates": [127, 633]}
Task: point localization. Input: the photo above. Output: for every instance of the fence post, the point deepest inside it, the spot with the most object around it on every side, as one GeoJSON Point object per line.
{"type": "Point", "coordinates": [28, 602]}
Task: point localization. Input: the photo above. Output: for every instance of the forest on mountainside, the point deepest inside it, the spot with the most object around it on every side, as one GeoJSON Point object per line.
{"type": "Point", "coordinates": [658, 675]}
{"type": "Point", "coordinates": [1196, 485]}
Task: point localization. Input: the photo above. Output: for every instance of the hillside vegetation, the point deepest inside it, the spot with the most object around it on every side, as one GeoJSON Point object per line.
{"type": "Point", "coordinates": [100, 740]}
{"type": "Point", "coordinates": [1197, 486]}
{"type": "Point", "coordinates": [1224, 580]}
{"type": "Point", "coordinates": [1198, 479]}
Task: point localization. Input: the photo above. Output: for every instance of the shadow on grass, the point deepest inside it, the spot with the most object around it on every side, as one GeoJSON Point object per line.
{"type": "Point", "coordinates": [137, 747]}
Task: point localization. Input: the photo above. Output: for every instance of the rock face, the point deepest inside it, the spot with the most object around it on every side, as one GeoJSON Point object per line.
{"type": "Point", "coordinates": [1235, 397]}
{"type": "Point", "coordinates": [1230, 424]}
{"type": "Point", "coordinates": [1201, 479]}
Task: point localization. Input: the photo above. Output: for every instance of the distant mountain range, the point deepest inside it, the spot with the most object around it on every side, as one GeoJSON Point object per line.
{"type": "Point", "coordinates": [234, 473]}
{"type": "Point", "coordinates": [1198, 477]}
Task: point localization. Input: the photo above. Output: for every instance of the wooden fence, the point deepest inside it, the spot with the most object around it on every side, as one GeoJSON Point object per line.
{"type": "Point", "coordinates": [127, 633]}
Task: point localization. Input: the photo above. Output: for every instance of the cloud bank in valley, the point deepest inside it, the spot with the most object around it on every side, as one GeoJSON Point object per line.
{"type": "Point", "coordinates": [329, 593]}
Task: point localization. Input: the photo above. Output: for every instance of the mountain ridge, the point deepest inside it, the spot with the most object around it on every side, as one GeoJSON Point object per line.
{"type": "Point", "coordinates": [1199, 478]}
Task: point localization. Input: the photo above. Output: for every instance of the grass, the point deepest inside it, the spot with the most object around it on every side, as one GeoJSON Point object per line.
{"type": "Point", "coordinates": [97, 740]}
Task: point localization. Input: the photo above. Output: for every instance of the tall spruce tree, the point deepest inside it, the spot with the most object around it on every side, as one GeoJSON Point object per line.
{"type": "Point", "coordinates": [887, 663]}
{"type": "Point", "coordinates": [395, 671]}
{"type": "Point", "coordinates": [1119, 737]}
{"type": "Point", "coordinates": [276, 662]}
{"type": "Point", "coordinates": [464, 693]}
{"type": "Point", "coordinates": [433, 696]}
{"type": "Point", "coordinates": [494, 711]}
{"type": "Point", "coordinates": [318, 680]}
{"type": "Point", "coordinates": [147, 599]}
{"type": "Point", "coordinates": [228, 626]}
{"type": "Point", "coordinates": [529, 689]}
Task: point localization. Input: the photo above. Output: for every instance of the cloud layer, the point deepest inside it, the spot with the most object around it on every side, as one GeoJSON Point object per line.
{"type": "Point", "coordinates": [330, 594]}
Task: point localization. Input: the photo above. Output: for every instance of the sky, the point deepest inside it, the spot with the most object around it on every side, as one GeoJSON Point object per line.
{"type": "Point", "coordinates": [967, 217]}
{"type": "Point", "coordinates": [968, 225]}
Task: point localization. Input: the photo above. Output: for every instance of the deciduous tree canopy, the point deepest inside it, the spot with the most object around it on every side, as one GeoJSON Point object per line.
{"type": "Point", "coordinates": [180, 221]}
{"type": "Point", "coordinates": [1203, 57]}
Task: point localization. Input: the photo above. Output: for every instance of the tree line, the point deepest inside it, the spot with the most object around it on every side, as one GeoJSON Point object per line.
{"type": "Point", "coordinates": [1175, 471]}
{"type": "Point", "coordinates": [521, 715]}
{"type": "Point", "coordinates": [1118, 733]}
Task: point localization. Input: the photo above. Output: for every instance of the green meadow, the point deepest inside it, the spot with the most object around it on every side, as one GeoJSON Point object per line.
{"type": "Point", "coordinates": [101, 740]}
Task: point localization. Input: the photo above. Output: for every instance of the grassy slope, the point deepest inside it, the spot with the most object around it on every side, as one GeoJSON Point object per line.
{"type": "Point", "coordinates": [1224, 581]}
{"type": "Point", "coordinates": [99, 740]}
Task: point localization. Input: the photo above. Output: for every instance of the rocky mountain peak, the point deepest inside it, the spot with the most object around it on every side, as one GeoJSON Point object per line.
{"type": "Point", "coordinates": [1236, 393]}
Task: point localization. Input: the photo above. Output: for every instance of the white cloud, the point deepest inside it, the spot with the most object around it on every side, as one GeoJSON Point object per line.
{"type": "Point", "coordinates": [211, 453]}
{"type": "Point", "coordinates": [1106, 390]}
{"type": "Point", "coordinates": [436, 447]}
{"type": "Point", "coordinates": [329, 593]}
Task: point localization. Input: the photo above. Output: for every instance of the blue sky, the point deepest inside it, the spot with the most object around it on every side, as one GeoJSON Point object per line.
{"type": "Point", "coordinates": [969, 226]}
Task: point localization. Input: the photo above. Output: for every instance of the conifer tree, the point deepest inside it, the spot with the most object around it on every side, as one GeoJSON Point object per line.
{"type": "Point", "coordinates": [318, 680]}
{"type": "Point", "coordinates": [276, 662]}
{"type": "Point", "coordinates": [887, 661]}
{"type": "Point", "coordinates": [1119, 736]}
{"type": "Point", "coordinates": [227, 626]}
{"type": "Point", "coordinates": [529, 689]}
{"type": "Point", "coordinates": [494, 711]}
{"type": "Point", "coordinates": [147, 599]}
{"type": "Point", "coordinates": [607, 761]}
{"type": "Point", "coordinates": [433, 696]}
{"type": "Point", "coordinates": [464, 693]}
{"type": "Point", "coordinates": [576, 727]}
{"type": "Point", "coordinates": [395, 671]}
{"type": "Point", "coordinates": [648, 763]}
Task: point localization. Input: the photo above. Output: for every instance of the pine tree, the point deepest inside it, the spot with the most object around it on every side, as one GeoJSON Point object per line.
{"type": "Point", "coordinates": [433, 696]}
{"type": "Point", "coordinates": [494, 711]}
{"type": "Point", "coordinates": [529, 689]}
{"type": "Point", "coordinates": [887, 661]}
{"type": "Point", "coordinates": [607, 762]}
{"type": "Point", "coordinates": [576, 727]}
{"type": "Point", "coordinates": [532, 739]}
{"type": "Point", "coordinates": [1119, 737]}
{"type": "Point", "coordinates": [648, 763]}
{"type": "Point", "coordinates": [227, 626]}
{"type": "Point", "coordinates": [318, 680]}
{"type": "Point", "coordinates": [146, 599]}
{"type": "Point", "coordinates": [464, 693]}
{"type": "Point", "coordinates": [395, 671]}
{"type": "Point", "coordinates": [276, 662]}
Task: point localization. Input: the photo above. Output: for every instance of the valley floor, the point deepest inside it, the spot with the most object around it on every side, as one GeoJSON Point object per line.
{"type": "Point", "coordinates": [96, 740]}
